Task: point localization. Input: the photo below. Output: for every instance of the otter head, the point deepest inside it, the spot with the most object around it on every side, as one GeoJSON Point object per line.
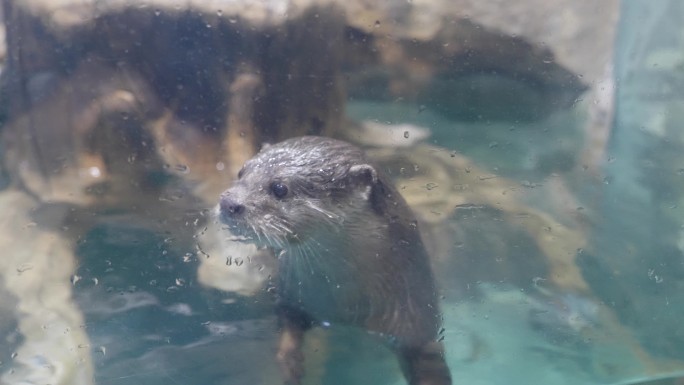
{"type": "Point", "coordinates": [296, 189]}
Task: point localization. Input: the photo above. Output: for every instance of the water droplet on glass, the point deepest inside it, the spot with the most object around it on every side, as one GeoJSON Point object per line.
{"type": "Point", "coordinates": [219, 13]}
{"type": "Point", "coordinates": [94, 172]}
{"type": "Point", "coordinates": [14, 355]}
{"type": "Point", "coordinates": [377, 23]}
{"type": "Point", "coordinates": [421, 108]}
{"type": "Point", "coordinates": [431, 186]}
{"type": "Point", "coordinates": [157, 12]}
{"type": "Point", "coordinates": [24, 267]}
{"type": "Point", "coordinates": [201, 251]}
{"type": "Point", "coordinates": [75, 278]}
{"type": "Point", "coordinates": [406, 134]}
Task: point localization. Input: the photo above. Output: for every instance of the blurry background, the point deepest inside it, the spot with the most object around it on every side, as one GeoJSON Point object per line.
{"type": "Point", "coordinates": [537, 141]}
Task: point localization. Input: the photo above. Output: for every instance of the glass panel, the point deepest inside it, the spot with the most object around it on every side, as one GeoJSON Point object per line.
{"type": "Point", "coordinates": [537, 146]}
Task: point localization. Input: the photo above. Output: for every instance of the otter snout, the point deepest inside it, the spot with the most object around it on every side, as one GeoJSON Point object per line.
{"type": "Point", "coordinates": [230, 206]}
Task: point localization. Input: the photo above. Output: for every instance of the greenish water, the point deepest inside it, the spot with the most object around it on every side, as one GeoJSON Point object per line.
{"type": "Point", "coordinates": [156, 331]}
{"type": "Point", "coordinates": [150, 321]}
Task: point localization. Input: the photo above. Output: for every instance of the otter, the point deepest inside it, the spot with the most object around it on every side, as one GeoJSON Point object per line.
{"type": "Point", "coordinates": [349, 251]}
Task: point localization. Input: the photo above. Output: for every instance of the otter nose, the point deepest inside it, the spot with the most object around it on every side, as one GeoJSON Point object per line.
{"type": "Point", "coordinates": [230, 206]}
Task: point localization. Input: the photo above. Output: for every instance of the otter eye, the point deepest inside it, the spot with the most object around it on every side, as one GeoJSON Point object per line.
{"type": "Point", "coordinates": [241, 173]}
{"type": "Point", "coordinates": [279, 190]}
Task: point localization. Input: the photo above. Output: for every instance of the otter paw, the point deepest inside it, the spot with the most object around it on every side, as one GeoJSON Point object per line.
{"type": "Point", "coordinates": [292, 365]}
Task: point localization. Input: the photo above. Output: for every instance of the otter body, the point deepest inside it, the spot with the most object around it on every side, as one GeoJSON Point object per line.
{"type": "Point", "coordinates": [348, 246]}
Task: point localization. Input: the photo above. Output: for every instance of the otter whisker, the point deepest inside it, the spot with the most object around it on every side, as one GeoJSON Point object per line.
{"type": "Point", "coordinates": [313, 258]}
{"type": "Point", "coordinates": [303, 259]}
{"type": "Point", "coordinates": [279, 241]}
{"type": "Point", "coordinates": [286, 223]}
{"type": "Point", "coordinates": [269, 239]}
{"type": "Point", "coordinates": [275, 239]}
{"type": "Point", "coordinates": [314, 251]}
{"type": "Point", "coordinates": [281, 227]}
{"type": "Point", "coordinates": [255, 232]}
{"type": "Point", "coordinates": [329, 216]}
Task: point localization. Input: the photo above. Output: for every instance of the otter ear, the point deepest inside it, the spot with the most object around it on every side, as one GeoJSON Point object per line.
{"type": "Point", "coordinates": [264, 146]}
{"type": "Point", "coordinates": [363, 177]}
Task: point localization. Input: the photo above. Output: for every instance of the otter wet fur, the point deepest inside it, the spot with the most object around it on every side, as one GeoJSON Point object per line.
{"type": "Point", "coordinates": [349, 251]}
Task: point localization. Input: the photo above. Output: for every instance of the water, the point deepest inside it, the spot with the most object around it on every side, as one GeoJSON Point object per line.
{"type": "Point", "coordinates": [556, 268]}
{"type": "Point", "coordinates": [156, 324]}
